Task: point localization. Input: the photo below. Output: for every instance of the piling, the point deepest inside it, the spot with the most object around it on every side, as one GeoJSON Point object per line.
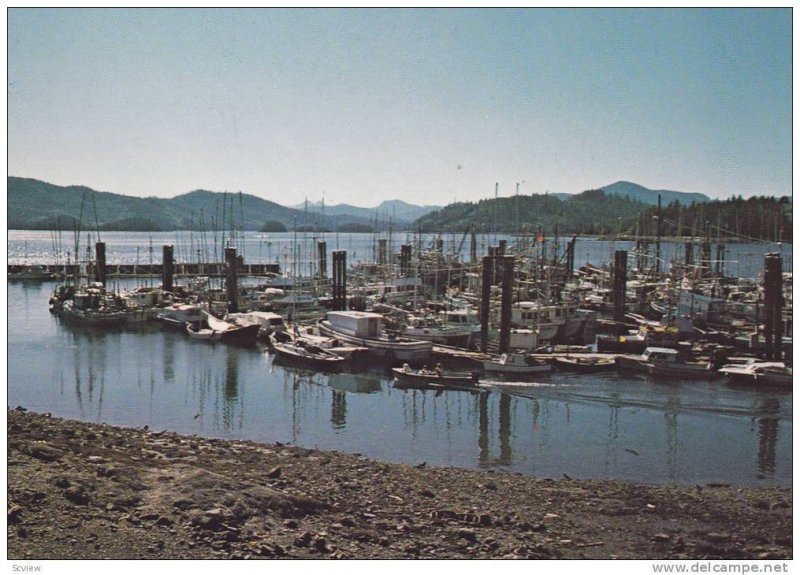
{"type": "Point", "coordinates": [486, 292]}
{"type": "Point", "coordinates": [231, 279]}
{"type": "Point", "coordinates": [570, 263]}
{"type": "Point", "coordinates": [322, 250]}
{"type": "Point", "coordinates": [494, 252]}
{"type": "Point", "coordinates": [473, 245]}
{"type": "Point", "coordinates": [168, 270]}
{"type": "Point", "coordinates": [618, 281]}
{"type": "Point", "coordinates": [688, 248]}
{"type": "Point", "coordinates": [100, 271]}
{"type": "Point", "coordinates": [339, 280]}
{"type": "Point", "coordinates": [507, 265]}
{"type": "Point", "coordinates": [773, 304]}
{"type": "Point", "coordinates": [658, 236]}
{"type": "Point", "coordinates": [720, 262]}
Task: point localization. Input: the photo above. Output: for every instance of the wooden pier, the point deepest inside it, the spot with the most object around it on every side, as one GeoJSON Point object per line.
{"type": "Point", "coordinates": [150, 270]}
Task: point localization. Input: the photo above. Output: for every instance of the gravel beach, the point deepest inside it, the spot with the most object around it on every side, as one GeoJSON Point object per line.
{"type": "Point", "coordinates": [90, 491]}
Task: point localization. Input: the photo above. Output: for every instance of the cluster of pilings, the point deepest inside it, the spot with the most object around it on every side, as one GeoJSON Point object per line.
{"type": "Point", "coordinates": [168, 269]}
{"type": "Point", "coordinates": [495, 265]}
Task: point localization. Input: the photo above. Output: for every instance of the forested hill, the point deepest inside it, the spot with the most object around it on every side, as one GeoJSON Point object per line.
{"type": "Point", "coordinates": [762, 218]}
{"type": "Point", "coordinates": [595, 212]}
{"type": "Point", "coordinates": [33, 204]}
{"type": "Point", "coordinates": [591, 212]}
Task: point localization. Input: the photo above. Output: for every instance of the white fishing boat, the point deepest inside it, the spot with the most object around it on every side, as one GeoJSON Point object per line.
{"type": "Point", "coordinates": [178, 315]}
{"type": "Point", "coordinates": [432, 328]}
{"type": "Point", "coordinates": [769, 373]}
{"type": "Point", "coordinates": [544, 320]}
{"type": "Point", "coordinates": [213, 329]}
{"type": "Point", "coordinates": [268, 322]}
{"type": "Point", "coordinates": [516, 364]}
{"type": "Point", "coordinates": [363, 329]}
{"type": "Point", "coordinates": [464, 319]}
{"type": "Point", "coordinates": [666, 362]}
{"type": "Point", "coordinates": [199, 332]}
{"type": "Point", "coordinates": [231, 332]}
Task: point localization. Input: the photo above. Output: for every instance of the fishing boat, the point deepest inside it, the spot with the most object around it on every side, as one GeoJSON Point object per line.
{"type": "Point", "coordinates": [764, 373]}
{"type": "Point", "coordinates": [544, 320]}
{"type": "Point", "coordinates": [74, 311]}
{"type": "Point", "coordinates": [32, 273]}
{"type": "Point", "coordinates": [432, 328]}
{"type": "Point", "coordinates": [202, 333]}
{"type": "Point", "coordinates": [407, 378]}
{"type": "Point", "coordinates": [89, 306]}
{"type": "Point", "coordinates": [363, 329]}
{"type": "Point", "coordinates": [665, 362]}
{"type": "Point", "coordinates": [584, 364]}
{"type": "Point", "coordinates": [268, 322]}
{"type": "Point", "coordinates": [178, 315]}
{"type": "Point", "coordinates": [231, 332]}
{"type": "Point", "coordinates": [309, 336]}
{"type": "Point", "coordinates": [213, 329]}
{"type": "Point", "coordinates": [516, 364]}
{"type": "Point", "coordinates": [310, 357]}
{"type": "Point", "coordinates": [463, 317]}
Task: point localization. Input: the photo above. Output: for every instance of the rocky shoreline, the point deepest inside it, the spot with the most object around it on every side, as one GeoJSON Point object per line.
{"type": "Point", "coordinates": [90, 491]}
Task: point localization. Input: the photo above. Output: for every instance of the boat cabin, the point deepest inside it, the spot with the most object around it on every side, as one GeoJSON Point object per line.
{"type": "Point", "coordinates": [664, 354]}
{"type": "Point", "coordinates": [356, 323]}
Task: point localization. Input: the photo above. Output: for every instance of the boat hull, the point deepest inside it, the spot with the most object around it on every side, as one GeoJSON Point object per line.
{"type": "Point", "coordinates": [583, 365]}
{"type": "Point", "coordinates": [297, 356]}
{"type": "Point", "coordinates": [385, 349]}
{"type": "Point", "coordinates": [515, 364]}
{"type": "Point", "coordinates": [415, 380]}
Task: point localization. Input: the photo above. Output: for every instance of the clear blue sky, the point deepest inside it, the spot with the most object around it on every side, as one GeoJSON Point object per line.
{"type": "Point", "coordinates": [427, 106]}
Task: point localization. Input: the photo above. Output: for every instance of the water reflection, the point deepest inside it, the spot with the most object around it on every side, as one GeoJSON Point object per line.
{"type": "Point", "coordinates": [338, 408]}
{"type": "Point", "coordinates": [89, 365]}
{"type": "Point", "coordinates": [168, 348]}
{"type": "Point", "coordinates": [231, 394]}
{"type": "Point", "coordinates": [355, 382]}
{"type": "Point", "coordinates": [768, 435]}
{"type": "Point", "coordinates": [214, 388]}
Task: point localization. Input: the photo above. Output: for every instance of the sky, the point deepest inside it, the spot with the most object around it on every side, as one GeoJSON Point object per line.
{"type": "Point", "coordinates": [428, 106]}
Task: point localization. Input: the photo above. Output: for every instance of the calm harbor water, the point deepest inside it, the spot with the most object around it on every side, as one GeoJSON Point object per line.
{"type": "Point", "coordinates": [596, 426]}
{"type": "Point", "coordinates": [45, 247]}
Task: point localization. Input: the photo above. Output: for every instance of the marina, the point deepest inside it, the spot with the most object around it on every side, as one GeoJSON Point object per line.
{"type": "Point", "coordinates": [400, 283]}
{"type": "Point", "coordinates": [571, 413]}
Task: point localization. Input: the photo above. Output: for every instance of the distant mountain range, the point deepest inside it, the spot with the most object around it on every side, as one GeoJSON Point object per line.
{"type": "Point", "coordinates": [401, 213]}
{"type": "Point", "coordinates": [33, 204]}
